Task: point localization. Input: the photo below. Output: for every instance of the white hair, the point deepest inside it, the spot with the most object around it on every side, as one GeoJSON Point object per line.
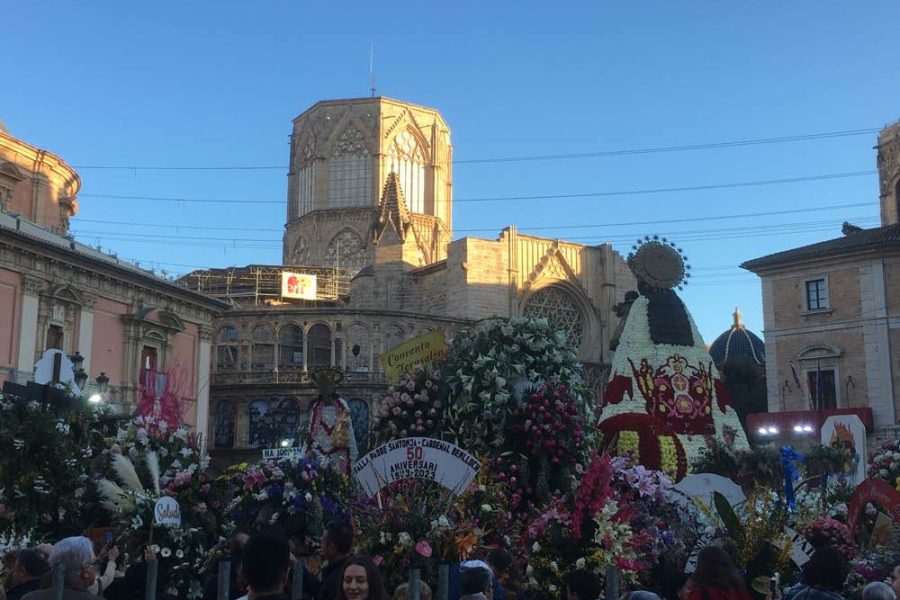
{"type": "Point", "coordinates": [878, 590]}
{"type": "Point", "coordinates": [72, 554]}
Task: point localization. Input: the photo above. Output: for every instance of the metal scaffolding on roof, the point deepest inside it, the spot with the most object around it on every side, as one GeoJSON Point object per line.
{"type": "Point", "coordinates": [256, 285]}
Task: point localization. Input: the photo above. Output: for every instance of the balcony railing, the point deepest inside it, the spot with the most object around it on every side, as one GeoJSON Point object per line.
{"type": "Point", "coordinates": [289, 376]}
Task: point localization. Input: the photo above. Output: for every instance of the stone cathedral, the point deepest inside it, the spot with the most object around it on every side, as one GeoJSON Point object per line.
{"type": "Point", "coordinates": [370, 213]}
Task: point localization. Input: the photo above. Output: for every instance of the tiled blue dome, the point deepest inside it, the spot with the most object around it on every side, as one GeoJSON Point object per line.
{"type": "Point", "coordinates": [738, 343]}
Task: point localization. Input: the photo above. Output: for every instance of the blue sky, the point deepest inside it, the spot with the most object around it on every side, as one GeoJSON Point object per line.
{"type": "Point", "coordinates": [203, 83]}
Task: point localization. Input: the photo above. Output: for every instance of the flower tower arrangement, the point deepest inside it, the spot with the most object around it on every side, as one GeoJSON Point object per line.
{"type": "Point", "coordinates": [885, 462]}
{"type": "Point", "coordinates": [664, 399]}
{"type": "Point", "coordinates": [415, 406]}
{"type": "Point", "coordinates": [150, 459]}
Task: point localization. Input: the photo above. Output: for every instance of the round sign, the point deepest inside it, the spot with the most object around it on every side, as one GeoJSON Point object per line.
{"type": "Point", "coordinates": [167, 512]}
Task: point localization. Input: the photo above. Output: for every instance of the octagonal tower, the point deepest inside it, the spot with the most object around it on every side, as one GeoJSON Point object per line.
{"type": "Point", "coordinates": [342, 154]}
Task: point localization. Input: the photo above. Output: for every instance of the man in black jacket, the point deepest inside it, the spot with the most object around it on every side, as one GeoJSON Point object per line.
{"type": "Point", "coordinates": [30, 566]}
{"type": "Point", "coordinates": [337, 544]}
{"type": "Point", "coordinates": [266, 565]}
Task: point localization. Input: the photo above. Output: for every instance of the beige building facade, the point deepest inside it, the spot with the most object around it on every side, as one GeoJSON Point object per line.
{"type": "Point", "coordinates": [369, 212]}
{"type": "Point", "coordinates": [832, 313]}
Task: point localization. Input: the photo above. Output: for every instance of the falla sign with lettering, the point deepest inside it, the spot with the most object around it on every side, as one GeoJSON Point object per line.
{"type": "Point", "coordinates": [167, 513]}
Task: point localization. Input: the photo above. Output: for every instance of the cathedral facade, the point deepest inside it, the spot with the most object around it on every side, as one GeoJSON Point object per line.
{"type": "Point", "coordinates": [369, 213]}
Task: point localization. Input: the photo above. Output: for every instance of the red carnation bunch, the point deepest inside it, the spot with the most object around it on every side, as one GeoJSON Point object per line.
{"type": "Point", "coordinates": [595, 491]}
{"type": "Point", "coordinates": [826, 531]}
{"type": "Point", "coordinates": [550, 423]}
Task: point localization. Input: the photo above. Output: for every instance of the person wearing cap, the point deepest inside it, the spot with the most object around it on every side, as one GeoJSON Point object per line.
{"type": "Point", "coordinates": [475, 581]}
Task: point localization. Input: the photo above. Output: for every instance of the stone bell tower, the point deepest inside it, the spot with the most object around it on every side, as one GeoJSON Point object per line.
{"type": "Point", "coordinates": [344, 153]}
{"type": "Point", "coordinates": [889, 173]}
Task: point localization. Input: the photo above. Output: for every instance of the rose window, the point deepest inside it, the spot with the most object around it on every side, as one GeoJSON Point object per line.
{"type": "Point", "coordinates": [562, 313]}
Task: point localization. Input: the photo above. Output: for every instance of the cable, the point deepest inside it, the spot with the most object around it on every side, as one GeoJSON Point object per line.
{"type": "Point", "coordinates": [692, 188]}
{"type": "Point", "coordinates": [596, 154]}
{"type": "Point", "coordinates": [714, 186]}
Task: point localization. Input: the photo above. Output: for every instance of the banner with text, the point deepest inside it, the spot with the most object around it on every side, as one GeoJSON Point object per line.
{"type": "Point", "coordinates": [416, 458]}
{"type": "Point", "coordinates": [298, 285]}
{"type": "Point", "coordinates": [426, 348]}
{"type": "Point", "coordinates": [277, 453]}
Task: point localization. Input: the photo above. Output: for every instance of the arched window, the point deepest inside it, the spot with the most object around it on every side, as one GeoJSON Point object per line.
{"type": "Point", "coordinates": [318, 345]}
{"type": "Point", "coordinates": [263, 348]}
{"type": "Point", "coordinates": [561, 311]}
{"type": "Point", "coordinates": [300, 252]}
{"type": "Point", "coordinates": [285, 419]}
{"type": "Point", "coordinates": [359, 414]}
{"type": "Point", "coordinates": [407, 159]}
{"type": "Point", "coordinates": [223, 426]}
{"type": "Point", "coordinates": [227, 348]}
{"type": "Point", "coordinates": [260, 432]}
{"type": "Point", "coordinates": [346, 251]}
{"type": "Point", "coordinates": [358, 348]}
{"type": "Point", "coordinates": [290, 347]}
{"type": "Point", "coordinates": [350, 170]}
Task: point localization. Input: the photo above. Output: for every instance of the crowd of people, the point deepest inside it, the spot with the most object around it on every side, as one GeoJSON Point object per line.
{"type": "Point", "coordinates": [261, 567]}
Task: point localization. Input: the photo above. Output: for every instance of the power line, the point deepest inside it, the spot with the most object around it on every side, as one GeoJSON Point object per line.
{"type": "Point", "coordinates": [79, 220]}
{"type": "Point", "coordinates": [676, 148]}
{"type": "Point", "coordinates": [693, 188]}
{"type": "Point", "coordinates": [539, 157]}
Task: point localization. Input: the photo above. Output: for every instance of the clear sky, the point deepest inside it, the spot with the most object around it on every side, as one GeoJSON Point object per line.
{"type": "Point", "coordinates": [202, 83]}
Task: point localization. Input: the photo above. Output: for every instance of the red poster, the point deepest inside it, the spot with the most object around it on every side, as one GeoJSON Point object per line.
{"type": "Point", "coordinates": [878, 492]}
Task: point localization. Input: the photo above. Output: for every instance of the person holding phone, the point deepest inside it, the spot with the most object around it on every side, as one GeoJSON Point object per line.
{"type": "Point", "coordinates": [106, 568]}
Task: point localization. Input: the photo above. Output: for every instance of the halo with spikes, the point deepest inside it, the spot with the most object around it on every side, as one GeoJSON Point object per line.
{"type": "Point", "coordinates": [659, 263]}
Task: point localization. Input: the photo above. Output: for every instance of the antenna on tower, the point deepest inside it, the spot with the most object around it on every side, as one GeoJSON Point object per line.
{"type": "Point", "coordinates": [372, 70]}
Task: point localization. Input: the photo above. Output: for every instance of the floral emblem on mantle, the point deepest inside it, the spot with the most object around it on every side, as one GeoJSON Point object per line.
{"type": "Point", "coordinates": [678, 392]}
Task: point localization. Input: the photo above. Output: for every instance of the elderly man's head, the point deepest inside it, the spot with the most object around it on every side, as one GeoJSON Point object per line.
{"type": "Point", "coordinates": [878, 590]}
{"type": "Point", "coordinates": [75, 555]}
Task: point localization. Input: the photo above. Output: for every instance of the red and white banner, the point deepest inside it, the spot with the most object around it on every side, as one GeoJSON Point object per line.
{"type": "Point", "coordinates": [298, 285]}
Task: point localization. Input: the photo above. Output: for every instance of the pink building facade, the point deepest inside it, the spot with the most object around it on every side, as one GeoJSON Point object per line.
{"type": "Point", "coordinates": [148, 335]}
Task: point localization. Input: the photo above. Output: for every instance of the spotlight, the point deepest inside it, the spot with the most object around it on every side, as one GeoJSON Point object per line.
{"type": "Point", "coordinates": [798, 428]}
{"type": "Point", "coordinates": [762, 431]}
{"type": "Point", "coordinates": [807, 428]}
{"type": "Point", "coordinates": [285, 443]}
{"type": "Point", "coordinates": [772, 430]}
{"type": "Point", "coordinates": [95, 399]}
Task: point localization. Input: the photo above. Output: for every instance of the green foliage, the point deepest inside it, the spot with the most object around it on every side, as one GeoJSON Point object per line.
{"type": "Point", "coordinates": [44, 456]}
{"type": "Point", "coordinates": [821, 460]}
{"type": "Point", "coordinates": [758, 466]}
{"type": "Point", "coordinates": [495, 361]}
{"type": "Point", "coordinates": [732, 524]}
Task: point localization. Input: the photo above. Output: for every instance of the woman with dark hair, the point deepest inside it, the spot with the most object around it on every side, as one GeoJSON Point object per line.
{"type": "Point", "coordinates": [361, 580]}
{"type": "Point", "coordinates": [716, 578]}
{"type": "Point", "coordinates": [823, 577]}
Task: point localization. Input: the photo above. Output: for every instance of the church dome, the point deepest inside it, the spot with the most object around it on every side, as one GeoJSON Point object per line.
{"type": "Point", "coordinates": [738, 343]}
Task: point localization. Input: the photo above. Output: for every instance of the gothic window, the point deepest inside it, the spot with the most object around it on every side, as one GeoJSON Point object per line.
{"type": "Point", "coordinates": [300, 252]}
{"type": "Point", "coordinates": [290, 347]}
{"type": "Point", "coordinates": [359, 414]}
{"type": "Point", "coordinates": [223, 426]}
{"type": "Point", "coordinates": [227, 348]}
{"type": "Point", "coordinates": [407, 159]}
{"type": "Point", "coordinates": [350, 170]}
{"type": "Point", "coordinates": [560, 310]}
{"type": "Point", "coordinates": [358, 348]}
{"type": "Point", "coordinates": [346, 251]}
{"type": "Point", "coordinates": [318, 345]}
{"type": "Point", "coordinates": [306, 176]}
{"type": "Point", "coordinates": [263, 348]}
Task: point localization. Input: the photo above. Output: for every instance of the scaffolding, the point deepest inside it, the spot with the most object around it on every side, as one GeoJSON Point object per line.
{"type": "Point", "coordinates": [256, 285]}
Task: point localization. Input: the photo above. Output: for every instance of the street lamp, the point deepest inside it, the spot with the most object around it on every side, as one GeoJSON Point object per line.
{"type": "Point", "coordinates": [102, 384]}
{"type": "Point", "coordinates": [81, 375]}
